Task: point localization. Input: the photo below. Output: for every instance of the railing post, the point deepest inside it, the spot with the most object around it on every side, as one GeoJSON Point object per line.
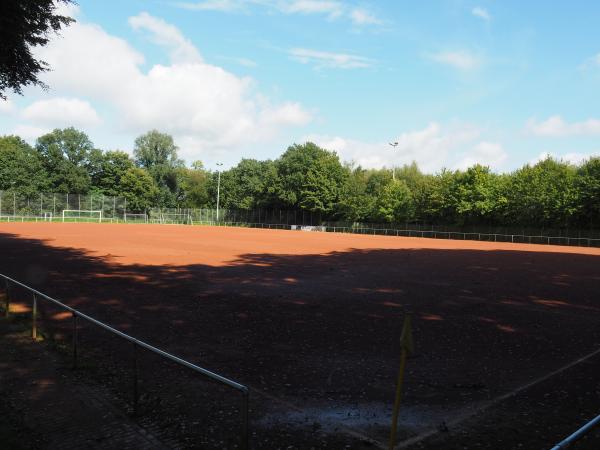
{"type": "Point", "coordinates": [245, 406]}
{"type": "Point", "coordinates": [6, 298]}
{"type": "Point", "coordinates": [74, 341]}
{"type": "Point", "coordinates": [34, 318]}
{"type": "Point", "coordinates": [135, 380]}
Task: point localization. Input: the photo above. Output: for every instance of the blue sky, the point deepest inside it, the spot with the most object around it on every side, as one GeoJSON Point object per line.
{"type": "Point", "coordinates": [454, 82]}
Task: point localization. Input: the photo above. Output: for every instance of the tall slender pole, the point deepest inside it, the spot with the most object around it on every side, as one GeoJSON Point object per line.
{"type": "Point", "coordinates": [218, 189]}
{"type": "Point", "coordinates": [393, 144]}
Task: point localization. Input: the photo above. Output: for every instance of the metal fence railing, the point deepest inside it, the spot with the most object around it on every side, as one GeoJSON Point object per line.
{"type": "Point", "coordinates": [42, 204]}
{"type": "Point", "coordinates": [489, 237]}
{"type": "Point", "coordinates": [584, 430]}
{"type": "Point", "coordinates": [76, 315]}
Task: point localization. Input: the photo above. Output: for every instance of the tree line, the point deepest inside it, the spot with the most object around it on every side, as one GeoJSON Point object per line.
{"type": "Point", "coordinates": [550, 193]}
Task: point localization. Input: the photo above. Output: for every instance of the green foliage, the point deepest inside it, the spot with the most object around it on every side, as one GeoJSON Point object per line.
{"type": "Point", "coordinates": [310, 178]}
{"type": "Point", "coordinates": [395, 203]}
{"type": "Point", "coordinates": [23, 25]}
{"type": "Point", "coordinates": [544, 194]}
{"type": "Point", "coordinates": [67, 156]}
{"type": "Point", "coordinates": [246, 185]}
{"type": "Point", "coordinates": [355, 204]}
{"type": "Point", "coordinates": [307, 178]}
{"type": "Point", "coordinates": [479, 195]}
{"type": "Point", "coordinates": [110, 167]}
{"type": "Point", "coordinates": [157, 153]}
{"type": "Point", "coordinates": [588, 189]}
{"type": "Point", "coordinates": [21, 169]}
{"type": "Point", "coordinates": [139, 189]}
{"type": "Point", "coordinates": [194, 186]}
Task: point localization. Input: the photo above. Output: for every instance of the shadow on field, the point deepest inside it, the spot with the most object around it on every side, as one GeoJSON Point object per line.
{"type": "Point", "coordinates": [322, 331]}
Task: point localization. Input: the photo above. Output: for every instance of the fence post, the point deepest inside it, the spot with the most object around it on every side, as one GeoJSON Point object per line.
{"type": "Point", "coordinates": [34, 318]}
{"type": "Point", "coordinates": [245, 406]}
{"type": "Point", "coordinates": [135, 380]}
{"type": "Point", "coordinates": [74, 340]}
{"type": "Point", "coordinates": [6, 298]}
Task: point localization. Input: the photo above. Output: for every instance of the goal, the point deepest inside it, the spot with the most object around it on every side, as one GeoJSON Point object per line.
{"type": "Point", "coordinates": [78, 215]}
{"type": "Point", "coordinates": [137, 218]}
{"type": "Point", "coordinates": [175, 218]}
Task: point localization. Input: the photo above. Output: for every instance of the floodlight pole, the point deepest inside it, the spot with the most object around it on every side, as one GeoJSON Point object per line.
{"type": "Point", "coordinates": [218, 188]}
{"type": "Point", "coordinates": [393, 144]}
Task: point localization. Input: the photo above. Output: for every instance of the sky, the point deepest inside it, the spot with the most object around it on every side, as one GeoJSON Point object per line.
{"type": "Point", "coordinates": [453, 82]}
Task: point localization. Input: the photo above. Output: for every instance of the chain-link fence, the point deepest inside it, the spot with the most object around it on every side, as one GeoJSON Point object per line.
{"type": "Point", "coordinates": [49, 206]}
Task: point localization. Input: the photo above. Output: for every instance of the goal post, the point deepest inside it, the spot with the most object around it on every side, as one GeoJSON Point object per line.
{"type": "Point", "coordinates": [175, 218]}
{"type": "Point", "coordinates": [135, 217]}
{"type": "Point", "coordinates": [79, 215]}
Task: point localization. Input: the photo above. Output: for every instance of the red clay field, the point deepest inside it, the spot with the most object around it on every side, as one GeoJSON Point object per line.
{"type": "Point", "coordinates": [311, 322]}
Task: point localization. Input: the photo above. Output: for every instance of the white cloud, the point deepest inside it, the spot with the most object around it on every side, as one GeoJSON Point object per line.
{"type": "Point", "coordinates": [490, 154]}
{"type": "Point", "coordinates": [246, 62]}
{"type": "Point", "coordinates": [6, 106]}
{"type": "Point", "coordinates": [363, 17]}
{"type": "Point", "coordinates": [332, 9]}
{"type": "Point", "coordinates": [462, 59]}
{"type": "Point", "coordinates": [61, 112]}
{"type": "Point", "coordinates": [211, 5]}
{"type": "Point", "coordinates": [482, 13]}
{"type": "Point", "coordinates": [555, 126]}
{"type": "Point", "coordinates": [571, 158]}
{"type": "Point", "coordinates": [591, 63]}
{"type": "Point", "coordinates": [30, 132]}
{"type": "Point", "coordinates": [164, 34]}
{"type": "Point", "coordinates": [212, 111]}
{"type": "Point", "coordinates": [67, 9]}
{"type": "Point", "coordinates": [432, 147]}
{"type": "Point", "coordinates": [326, 59]}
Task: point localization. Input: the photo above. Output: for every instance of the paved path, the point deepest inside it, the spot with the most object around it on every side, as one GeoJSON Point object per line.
{"type": "Point", "coordinates": [49, 407]}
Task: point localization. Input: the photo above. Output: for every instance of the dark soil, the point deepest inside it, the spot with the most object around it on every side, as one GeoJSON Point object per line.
{"type": "Point", "coordinates": [311, 322]}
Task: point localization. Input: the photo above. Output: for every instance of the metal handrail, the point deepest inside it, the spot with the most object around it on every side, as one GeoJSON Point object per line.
{"type": "Point", "coordinates": [565, 443]}
{"type": "Point", "coordinates": [137, 343]}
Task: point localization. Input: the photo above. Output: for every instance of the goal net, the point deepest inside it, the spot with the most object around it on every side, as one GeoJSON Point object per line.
{"type": "Point", "coordinates": [174, 218]}
{"type": "Point", "coordinates": [78, 215]}
{"type": "Point", "coordinates": [137, 218]}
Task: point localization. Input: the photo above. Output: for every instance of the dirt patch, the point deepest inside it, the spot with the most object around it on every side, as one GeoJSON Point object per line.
{"type": "Point", "coordinates": [313, 320]}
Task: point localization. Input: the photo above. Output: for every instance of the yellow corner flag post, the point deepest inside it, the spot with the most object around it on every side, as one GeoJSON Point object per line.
{"type": "Point", "coordinates": [406, 344]}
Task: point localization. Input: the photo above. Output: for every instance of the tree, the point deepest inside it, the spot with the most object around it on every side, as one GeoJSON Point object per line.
{"type": "Point", "coordinates": [310, 178]}
{"type": "Point", "coordinates": [394, 204]}
{"type": "Point", "coordinates": [479, 196]}
{"type": "Point", "coordinates": [410, 173]}
{"type": "Point", "coordinates": [139, 189]}
{"type": "Point", "coordinates": [194, 186]}
{"type": "Point", "coordinates": [21, 169]}
{"type": "Point", "coordinates": [247, 185]}
{"type": "Point", "coordinates": [437, 198]}
{"type": "Point", "coordinates": [157, 153]}
{"type": "Point", "coordinates": [588, 187]}
{"type": "Point", "coordinates": [25, 24]}
{"type": "Point", "coordinates": [543, 194]}
{"type": "Point", "coordinates": [109, 170]}
{"type": "Point", "coordinates": [355, 203]}
{"type": "Point", "coordinates": [67, 156]}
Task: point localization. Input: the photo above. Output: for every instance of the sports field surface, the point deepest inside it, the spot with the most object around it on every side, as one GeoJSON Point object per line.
{"type": "Point", "coordinates": [311, 321]}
